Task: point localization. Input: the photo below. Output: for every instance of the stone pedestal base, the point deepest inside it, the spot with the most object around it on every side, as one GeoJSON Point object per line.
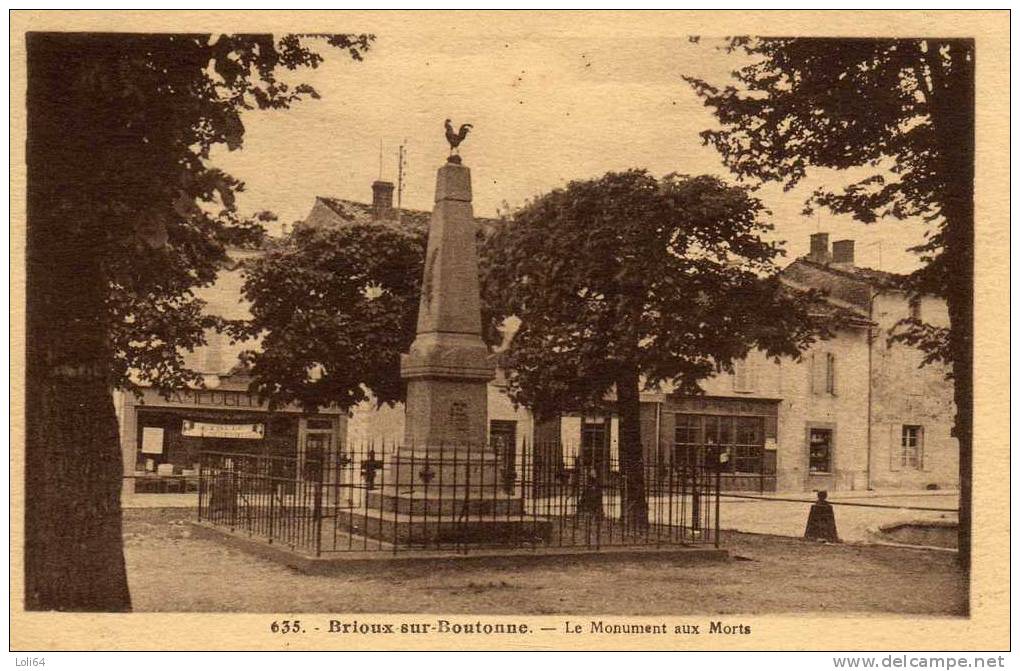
{"type": "Point", "coordinates": [450, 506]}
{"type": "Point", "coordinates": [446, 495]}
{"type": "Point", "coordinates": [411, 530]}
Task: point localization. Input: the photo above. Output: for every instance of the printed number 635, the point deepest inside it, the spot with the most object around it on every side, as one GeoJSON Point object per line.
{"type": "Point", "coordinates": [285, 627]}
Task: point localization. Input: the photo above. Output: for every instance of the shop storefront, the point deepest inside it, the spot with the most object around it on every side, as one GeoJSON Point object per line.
{"type": "Point", "coordinates": [738, 435]}
{"type": "Point", "coordinates": [163, 436]}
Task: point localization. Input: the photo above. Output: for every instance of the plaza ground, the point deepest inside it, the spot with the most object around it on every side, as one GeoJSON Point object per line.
{"type": "Point", "coordinates": [171, 570]}
{"type": "Point", "coordinates": [856, 521]}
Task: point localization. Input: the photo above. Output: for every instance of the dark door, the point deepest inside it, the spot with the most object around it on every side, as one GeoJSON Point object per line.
{"type": "Point", "coordinates": [503, 438]}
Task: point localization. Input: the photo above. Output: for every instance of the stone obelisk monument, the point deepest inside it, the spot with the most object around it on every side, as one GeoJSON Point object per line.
{"type": "Point", "coordinates": [446, 482]}
{"type": "Point", "coordinates": [448, 366]}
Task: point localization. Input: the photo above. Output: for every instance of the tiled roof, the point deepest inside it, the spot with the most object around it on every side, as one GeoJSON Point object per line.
{"type": "Point", "coordinates": [353, 211]}
{"type": "Point", "coordinates": [845, 287]}
{"type": "Point", "coordinates": [877, 278]}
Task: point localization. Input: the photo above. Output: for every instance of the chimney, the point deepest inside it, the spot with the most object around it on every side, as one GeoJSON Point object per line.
{"type": "Point", "coordinates": [843, 253]}
{"type": "Point", "coordinates": [382, 200]}
{"type": "Point", "coordinates": [819, 248]}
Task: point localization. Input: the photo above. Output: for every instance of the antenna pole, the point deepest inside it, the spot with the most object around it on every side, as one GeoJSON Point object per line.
{"type": "Point", "coordinates": [400, 174]}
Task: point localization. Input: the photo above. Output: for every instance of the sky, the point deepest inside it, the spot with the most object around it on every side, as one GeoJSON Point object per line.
{"type": "Point", "coordinates": [549, 104]}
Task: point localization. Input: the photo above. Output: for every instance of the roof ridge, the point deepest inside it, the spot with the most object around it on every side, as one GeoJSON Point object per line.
{"type": "Point", "coordinates": [850, 274]}
{"type": "Point", "coordinates": [368, 206]}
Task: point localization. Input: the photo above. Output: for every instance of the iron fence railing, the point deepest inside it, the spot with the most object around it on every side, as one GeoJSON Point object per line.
{"type": "Point", "coordinates": [441, 498]}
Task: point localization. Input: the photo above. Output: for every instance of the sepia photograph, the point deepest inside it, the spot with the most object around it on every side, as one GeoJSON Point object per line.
{"type": "Point", "coordinates": [510, 330]}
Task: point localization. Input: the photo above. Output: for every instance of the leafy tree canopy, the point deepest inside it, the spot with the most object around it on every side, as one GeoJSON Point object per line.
{"type": "Point", "coordinates": [628, 274]}
{"type": "Point", "coordinates": [125, 217]}
{"type": "Point", "coordinates": [903, 107]}
{"type": "Point", "coordinates": [137, 116]}
{"type": "Point", "coordinates": [334, 308]}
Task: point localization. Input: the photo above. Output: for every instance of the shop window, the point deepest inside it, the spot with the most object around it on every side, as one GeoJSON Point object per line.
{"type": "Point", "coordinates": [912, 447]}
{"type": "Point", "coordinates": [749, 444]}
{"type": "Point", "coordinates": [820, 451]}
{"type": "Point", "coordinates": [687, 439]}
{"type": "Point", "coordinates": [700, 439]}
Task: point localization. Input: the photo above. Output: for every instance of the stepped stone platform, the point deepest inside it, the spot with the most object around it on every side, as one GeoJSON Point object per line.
{"type": "Point", "coordinates": [445, 495]}
{"type": "Point", "coordinates": [410, 530]}
{"type": "Point", "coordinates": [450, 505]}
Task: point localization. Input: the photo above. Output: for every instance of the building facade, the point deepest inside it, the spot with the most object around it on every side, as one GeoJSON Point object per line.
{"type": "Point", "coordinates": [854, 412]}
{"type": "Point", "coordinates": [162, 433]}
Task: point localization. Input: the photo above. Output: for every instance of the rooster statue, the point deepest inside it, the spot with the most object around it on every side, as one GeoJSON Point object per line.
{"type": "Point", "coordinates": [455, 138]}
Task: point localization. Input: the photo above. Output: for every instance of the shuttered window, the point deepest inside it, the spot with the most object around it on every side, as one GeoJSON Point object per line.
{"type": "Point", "coordinates": [745, 375]}
{"type": "Point", "coordinates": [823, 373]}
{"type": "Point", "coordinates": [912, 447]}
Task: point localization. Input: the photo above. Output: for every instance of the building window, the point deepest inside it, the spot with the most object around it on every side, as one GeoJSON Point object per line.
{"type": "Point", "coordinates": [317, 450]}
{"type": "Point", "coordinates": [748, 445]}
{"type": "Point", "coordinates": [687, 439]}
{"type": "Point", "coordinates": [915, 308]}
{"type": "Point", "coordinates": [823, 373]}
{"type": "Point", "coordinates": [699, 439]}
{"type": "Point", "coordinates": [912, 447]}
{"type": "Point", "coordinates": [503, 438]}
{"type": "Point", "coordinates": [745, 375]}
{"type": "Point", "coordinates": [595, 444]}
{"type": "Point", "coordinates": [819, 450]}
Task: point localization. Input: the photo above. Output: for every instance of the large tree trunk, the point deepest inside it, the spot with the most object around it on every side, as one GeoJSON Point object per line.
{"type": "Point", "coordinates": [953, 116]}
{"type": "Point", "coordinates": [74, 558]}
{"type": "Point", "coordinates": [628, 403]}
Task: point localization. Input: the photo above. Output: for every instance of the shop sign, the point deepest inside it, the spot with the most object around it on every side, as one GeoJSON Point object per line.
{"type": "Point", "coordinates": [251, 431]}
{"type": "Point", "coordinates": [215, 398]}
{"type": "Point", "coordinates": [152, 440]}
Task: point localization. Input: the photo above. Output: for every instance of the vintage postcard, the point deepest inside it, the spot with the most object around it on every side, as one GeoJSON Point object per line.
{"type": "Point", "coordinates": [493, 330]}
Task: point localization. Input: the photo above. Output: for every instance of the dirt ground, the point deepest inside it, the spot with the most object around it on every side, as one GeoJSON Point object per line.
{"type": "Point", "coordinates": [169, 570]}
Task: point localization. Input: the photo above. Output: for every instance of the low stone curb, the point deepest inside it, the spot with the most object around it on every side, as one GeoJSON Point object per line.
{"type": "Point", "coordinates": [375, 561]}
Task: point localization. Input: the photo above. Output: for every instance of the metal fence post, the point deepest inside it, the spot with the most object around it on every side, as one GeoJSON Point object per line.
{"type": "Point", "coordinates": [272, 509]}
{"type": "Point", "coordinates": [718, 480]}
{"type": "Point", "coordinates": [317, 516]}
{"type": "Point", "coordinates": [201, 481]}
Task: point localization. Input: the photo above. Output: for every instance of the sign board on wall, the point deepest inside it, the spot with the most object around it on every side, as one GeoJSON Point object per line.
{"type": "Point", "coordinates": [253, 431]}
{"type": "Point", "coordinates": [152, 440]}
{"type": "Point", "coordinates": [215, 398]}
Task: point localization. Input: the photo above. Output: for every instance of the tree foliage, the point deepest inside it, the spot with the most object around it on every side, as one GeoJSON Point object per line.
{"type": "Point", "coordinates": [148, 109]}
{"type": "Point", "coordinates": [126, 216]}
{"type": "Point", "coordinates": [903, 108]}
{"type": "Point", "coordinates": [898, 106]}
{"type": "Point", "coordinates": [334, 308]}
{"type": "Point", "coordinates": [628, 281]}
{"type": "Point", "coordinates": [667, 277]}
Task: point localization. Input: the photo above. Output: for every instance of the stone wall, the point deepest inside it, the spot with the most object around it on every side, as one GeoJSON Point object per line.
{"type": "Point", "coordinates": [905, 393]}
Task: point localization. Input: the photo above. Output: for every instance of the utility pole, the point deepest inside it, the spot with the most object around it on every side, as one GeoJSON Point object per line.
{"type": "Point", "coordinates": [401, 163]}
